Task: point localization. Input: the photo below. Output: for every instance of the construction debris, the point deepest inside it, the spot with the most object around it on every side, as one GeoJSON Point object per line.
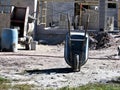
{"type": "Point", "coordinates": [118, 50]}
{"type": "Point", "coordinates": [101, 40]}
{"type": "Point", "coordinates": [92, 43]}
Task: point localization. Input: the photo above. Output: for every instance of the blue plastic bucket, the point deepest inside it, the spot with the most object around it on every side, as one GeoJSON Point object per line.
{"type": "Point", "coordinates": [9, 39]}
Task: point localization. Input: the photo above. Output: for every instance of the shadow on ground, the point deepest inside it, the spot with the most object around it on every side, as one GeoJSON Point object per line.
{"type": "Point", "coordinates": [111, 57]}
{"type": "Point", "coordinates": [49, 71]}
{"type": "Point", "coordinates": [27, 55]}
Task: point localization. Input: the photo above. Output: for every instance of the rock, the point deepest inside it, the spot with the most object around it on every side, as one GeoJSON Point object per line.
{"type": "Point", "coordinates": [101, 67]}
{"type": "Point", "coordinates": [94, 72]}
{"type": "Point", "coordinates": [52, 77]}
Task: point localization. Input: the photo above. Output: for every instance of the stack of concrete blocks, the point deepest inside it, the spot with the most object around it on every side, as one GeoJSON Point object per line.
{"type": "Point", "coordinates": [43, 13]}
{"type": "Point", "coordinates": [110, 24]}
{"type": "Point", "coordinates": [63, 22]}
{"type": "Point", "coordinates": [113, 13]}
{"type": "Point", "coordinates": [49, 13]}
{"type": "Point", "coordinates": [59, 12]}
{"type": "Point", "coordinates": [94, 19]}
{"type": "Point", "coordinates": [102, 14]}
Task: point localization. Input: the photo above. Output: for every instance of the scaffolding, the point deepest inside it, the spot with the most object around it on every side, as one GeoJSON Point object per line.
{"type": "Point", "coordinates": [42, 12]}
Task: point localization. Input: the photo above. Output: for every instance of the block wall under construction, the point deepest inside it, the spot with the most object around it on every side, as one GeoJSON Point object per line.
{"type": "Point", "coordinates": [92, 8]}
{"type": "Point", "coordinates": [94, 19]}
{"type": "Point", "coordinates": [57, 9]}
{"type": "Point", "coordinates": [4, 21]}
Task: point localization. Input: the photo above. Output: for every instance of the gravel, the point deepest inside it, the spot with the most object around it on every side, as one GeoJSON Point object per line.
{"type": "Point", "coordinates": [46, 67]}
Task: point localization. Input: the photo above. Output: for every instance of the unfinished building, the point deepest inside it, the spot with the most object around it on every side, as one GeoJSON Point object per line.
{"type": "Point", "coordinates": [53, 13]}
{"type": "Point", "coordinates": [54, 8]}
{"type": "Point", "coordinates": [98, 10]}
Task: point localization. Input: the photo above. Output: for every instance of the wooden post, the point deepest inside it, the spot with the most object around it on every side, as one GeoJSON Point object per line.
{"type": "Point", "coordinates": [80, 19]}
{"type": "Point", "coordinates": [69, 38]}
{"type": "Point", "coordinates": [119, 15]}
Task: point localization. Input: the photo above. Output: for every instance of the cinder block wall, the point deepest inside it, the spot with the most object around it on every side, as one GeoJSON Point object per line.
{"type": "Point", "coordinates": [4, 21]}
{"type": "Point", "coordinates": [55, 9]}
{"type": "Point", "coordinates": [52, 37]}
{"type": "Point", "coordinates": [94, 19]}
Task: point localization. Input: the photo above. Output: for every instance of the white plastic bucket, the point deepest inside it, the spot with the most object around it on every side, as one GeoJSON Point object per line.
{"type": "Point", "coordinates": [34, 45]}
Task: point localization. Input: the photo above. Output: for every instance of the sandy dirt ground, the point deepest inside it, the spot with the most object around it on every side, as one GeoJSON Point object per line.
{"type": "Point", "coordinates": [47, 68]}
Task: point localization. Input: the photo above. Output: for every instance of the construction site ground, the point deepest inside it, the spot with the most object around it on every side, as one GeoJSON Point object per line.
{"type": "Point", "coordinates": [46, 67]}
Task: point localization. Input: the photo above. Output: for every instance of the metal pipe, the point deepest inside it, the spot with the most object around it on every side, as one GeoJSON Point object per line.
{"type": "Point", "coordinates": [69, 37]}
{"type": "Point", "coordinates": [84, 42]}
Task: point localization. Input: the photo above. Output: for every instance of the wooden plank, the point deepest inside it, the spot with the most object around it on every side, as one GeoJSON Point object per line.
{"type": "Point", "coordinates": [58, 0]}
{"type": "Point", "coordinates": [119, 15]}
{"type": "Point", "coordinates": [78, 1]}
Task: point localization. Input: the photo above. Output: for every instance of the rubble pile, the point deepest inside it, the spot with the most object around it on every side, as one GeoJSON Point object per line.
{"type": "Point", "coordinates": [92, 42]}
{"type": "Point", "coordinates": [101, 40]}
